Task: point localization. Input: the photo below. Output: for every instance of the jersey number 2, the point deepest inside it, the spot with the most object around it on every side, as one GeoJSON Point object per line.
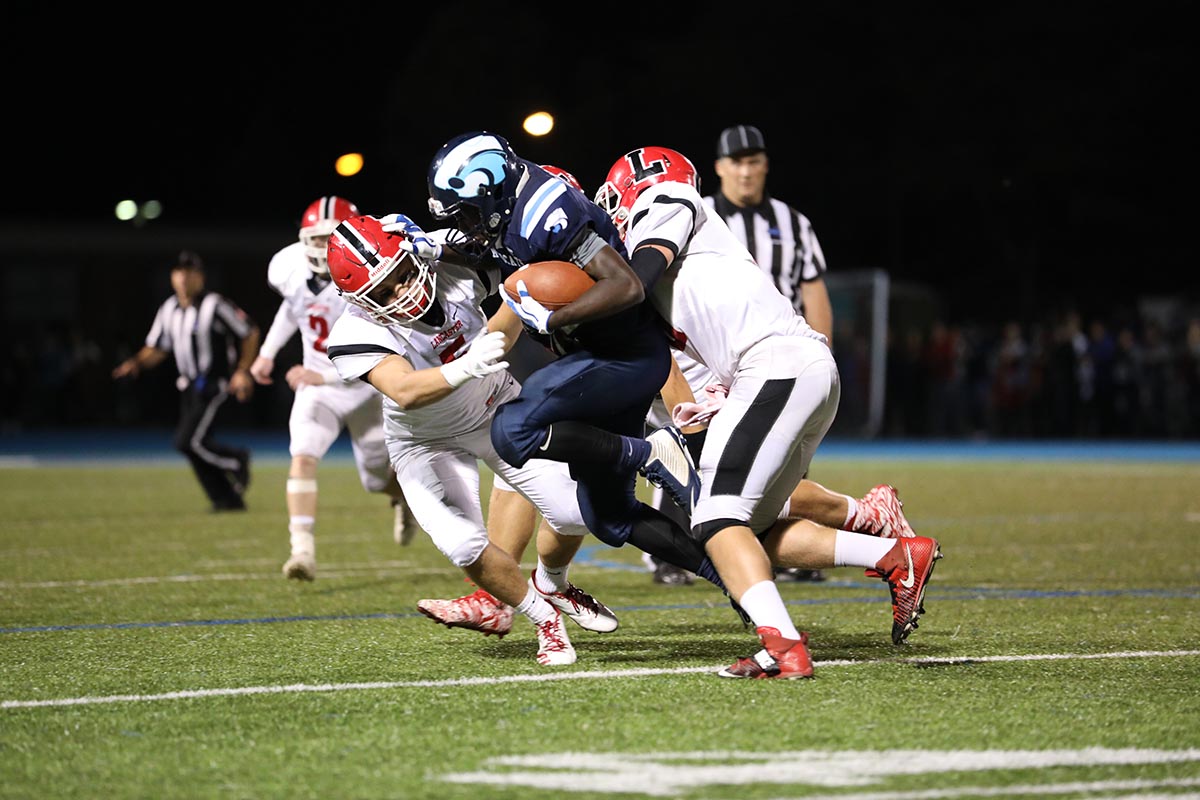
{"type": "Point", "coordinates": [321, 326]}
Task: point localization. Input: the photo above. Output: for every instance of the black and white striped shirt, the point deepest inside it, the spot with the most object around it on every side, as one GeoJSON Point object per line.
{"type": "Point", "coordinates": [780, 239]}
{"type": "Point", "coordinates": [204, 337]}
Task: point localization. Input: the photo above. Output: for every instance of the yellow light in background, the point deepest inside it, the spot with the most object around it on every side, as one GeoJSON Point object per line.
{"type": "Point", "coordinates": [126, 210]}
{"type": "Point", "coordinates": [349, 164]}
{"type": "Point", "coordinates": [539, 123]}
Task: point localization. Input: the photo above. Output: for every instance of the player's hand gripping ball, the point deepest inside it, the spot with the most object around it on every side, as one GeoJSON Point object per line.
{"type": "Point", "coordinates": [551, 283]}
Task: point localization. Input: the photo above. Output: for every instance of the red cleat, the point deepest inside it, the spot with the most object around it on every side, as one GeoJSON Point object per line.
{"type": "Point", "coordinates": [477, 612]}
{"type": "Point", "coordinates": [880, 513]}
{"type": "Point", "coordinates": [906, 569]}
{"type": "Point", "coordinates": [779, 658]}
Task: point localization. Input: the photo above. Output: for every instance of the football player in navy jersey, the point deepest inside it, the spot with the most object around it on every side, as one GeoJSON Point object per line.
{"type": "Point", "coordinates": [588, 407]}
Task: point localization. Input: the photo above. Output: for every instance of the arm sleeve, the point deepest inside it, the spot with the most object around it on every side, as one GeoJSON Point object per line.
{"type": "Point", "coordinates": [283, 327]}
{"type": "Point", "coordinates": [648, 264]}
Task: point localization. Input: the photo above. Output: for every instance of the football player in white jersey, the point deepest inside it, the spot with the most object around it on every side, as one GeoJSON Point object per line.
{"type": "Point", "coordinates": [421, 339]}
{"type": "Point", "coordinates": [783, 391]}
{"type": "Point", "coordinates": [879, 512]}
{"type": "Point", "coordinates": [324, 404]}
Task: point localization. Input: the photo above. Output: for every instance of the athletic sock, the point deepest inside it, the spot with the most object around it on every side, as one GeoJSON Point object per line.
{"type": "Point", "coordinates": [535, 607]}
{"type": "Point", "coordinates": [851, 511]}
{"type": "Point", "coordinates": [765, 606]}
{"type": "Point", "coordinates": [300, 530]}
{"type": "Point", "coordinates": [859, 549]}
{"type": "Point", "coordinates": [551, 579]}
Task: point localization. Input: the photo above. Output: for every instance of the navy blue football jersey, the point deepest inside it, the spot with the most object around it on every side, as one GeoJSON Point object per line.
{"type": "Point", "coordinates": [550, 219]}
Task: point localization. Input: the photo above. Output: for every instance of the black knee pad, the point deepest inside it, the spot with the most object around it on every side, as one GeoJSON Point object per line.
{"type": "Point", "coordinates": [706, 530]}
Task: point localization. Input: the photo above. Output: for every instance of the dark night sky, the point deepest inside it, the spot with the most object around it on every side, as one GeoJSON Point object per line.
{"type": "Point", "coordinates": [1006, 157]}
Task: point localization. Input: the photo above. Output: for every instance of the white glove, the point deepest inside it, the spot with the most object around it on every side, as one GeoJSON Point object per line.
{"type": "Point", "coordinates": [416, 241]}
{"type": "Point", "coordinates": [531, 312]}
{"type": "Point", "coordinates": [685, 415]}
{"type": "Point", "coordinates": [479, 360]}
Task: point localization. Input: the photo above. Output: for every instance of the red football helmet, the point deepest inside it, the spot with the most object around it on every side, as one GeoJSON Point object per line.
{"type": "Point", "coordinates": [319, 220]}
{"type": "Point", "coordinates": [373, 272]}
{"type": "Point", "coordinates": [562, 174]}
{"type": "Point", "coordinates": [637, 171]}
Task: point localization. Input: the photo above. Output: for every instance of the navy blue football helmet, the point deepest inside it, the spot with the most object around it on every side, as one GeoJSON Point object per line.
{"type": "Point", "coordinates": [473, 182]}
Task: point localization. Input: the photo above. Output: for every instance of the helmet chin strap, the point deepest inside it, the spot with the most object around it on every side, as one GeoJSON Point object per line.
{"type": "Point", "coordinates": [433, 315]}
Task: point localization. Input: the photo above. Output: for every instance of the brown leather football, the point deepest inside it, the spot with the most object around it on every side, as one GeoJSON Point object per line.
{"type": "Point", "coordinates": [551, 283]}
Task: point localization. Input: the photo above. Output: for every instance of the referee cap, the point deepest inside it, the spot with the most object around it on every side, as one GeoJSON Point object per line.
{"type": "Point", "coordinates": [188, 259]}
{"type": "Point", "coordinates": [740, 140]}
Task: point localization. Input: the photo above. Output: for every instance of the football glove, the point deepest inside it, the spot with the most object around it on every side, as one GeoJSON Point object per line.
{"type": "Point", "coordinates": [479, 360]}
{"type": "Point", "coordinates": [532, 313]}
{"type": "Point", "coordinates": [416, 241]}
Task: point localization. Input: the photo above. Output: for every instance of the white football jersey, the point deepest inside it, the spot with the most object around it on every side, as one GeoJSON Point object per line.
{"type": "Point", "coordinates": [310, 304]}
{"type": "Point", "coordinates": [358, 343]}
{"type": "Point", "coordinates": [715, 298]}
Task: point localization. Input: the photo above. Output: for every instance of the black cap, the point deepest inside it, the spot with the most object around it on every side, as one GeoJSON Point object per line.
{"type": "Point", "coordinates": [188, 260]}
{"type": "Point", "coordinates": [740, 140]}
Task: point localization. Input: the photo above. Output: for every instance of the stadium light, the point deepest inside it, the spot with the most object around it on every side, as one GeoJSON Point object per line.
{"type": "Point", "coordinates": [126, 210]}
{"type": "Point", "coordinates": [539, 123]}
{"type": "Point", "coordinates": [349, 164]}
{"type": "Point", "coordinates": [130, 211]}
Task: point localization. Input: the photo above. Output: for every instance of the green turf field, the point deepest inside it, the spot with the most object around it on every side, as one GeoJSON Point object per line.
{"type": "Point", "coordinates": [150, 649]}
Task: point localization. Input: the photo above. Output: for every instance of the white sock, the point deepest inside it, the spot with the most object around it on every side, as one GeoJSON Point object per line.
{"type": "Point", "coordinates": [786, 511]}
{"type": "Point", "coordinates": [551, 579]}
{"type": "Point", "coordinates": [853, 509]}
{"type": "Point", "coordinates": [859, 549]}
{"type": "Point", "coordinates": [764, 605]}
{"type": "Point", "coordinates": [301, 530]}
{"type": "Point", "coordinates": [535, 607]}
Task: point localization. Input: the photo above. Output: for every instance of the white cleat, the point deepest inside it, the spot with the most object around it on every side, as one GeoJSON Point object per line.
{"type": "Point", "coordinates": [302, 566]}
{"type": "Point", "coordinates": [586, 611]}
{"type": "Point", "coordinates": [404, 527]}
{"type": "Point", "coordinates": [554, 646]}
{"type": "Point", "coordinates": [670, 467]}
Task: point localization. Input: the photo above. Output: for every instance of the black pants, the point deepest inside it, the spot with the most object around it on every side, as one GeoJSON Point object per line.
{"type": "Point", "coordinates": [223, 471]}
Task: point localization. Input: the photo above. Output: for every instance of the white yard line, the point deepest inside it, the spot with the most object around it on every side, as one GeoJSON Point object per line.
{"type": "Point", "coordinates": [1136, 787]}
{"type": "Point", "coordinates": [554, 676]}
{"type": "Point", "coordinates": [346, 571]}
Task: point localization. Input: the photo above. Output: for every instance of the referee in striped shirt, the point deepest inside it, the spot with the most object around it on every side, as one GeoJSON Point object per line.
{"type": "Point", "coordinates": [779, 237]}
{"type": "Point", "coordinates": [214, 343]}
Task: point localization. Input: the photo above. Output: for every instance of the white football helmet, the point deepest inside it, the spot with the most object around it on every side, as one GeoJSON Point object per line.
{"type": "Point", "coordinates": [319, 220]}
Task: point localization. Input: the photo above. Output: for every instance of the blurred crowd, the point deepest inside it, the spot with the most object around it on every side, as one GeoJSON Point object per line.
{"type": "Point", "coordinates": [1062, 377]}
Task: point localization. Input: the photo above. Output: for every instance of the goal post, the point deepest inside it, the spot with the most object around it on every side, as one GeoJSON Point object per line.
{"type": "Point", "coordinates": [860, 343]}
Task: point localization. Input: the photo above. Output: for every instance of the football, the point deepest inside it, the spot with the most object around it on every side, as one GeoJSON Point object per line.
{"type": "Point", "coordinates": [551, 283]}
